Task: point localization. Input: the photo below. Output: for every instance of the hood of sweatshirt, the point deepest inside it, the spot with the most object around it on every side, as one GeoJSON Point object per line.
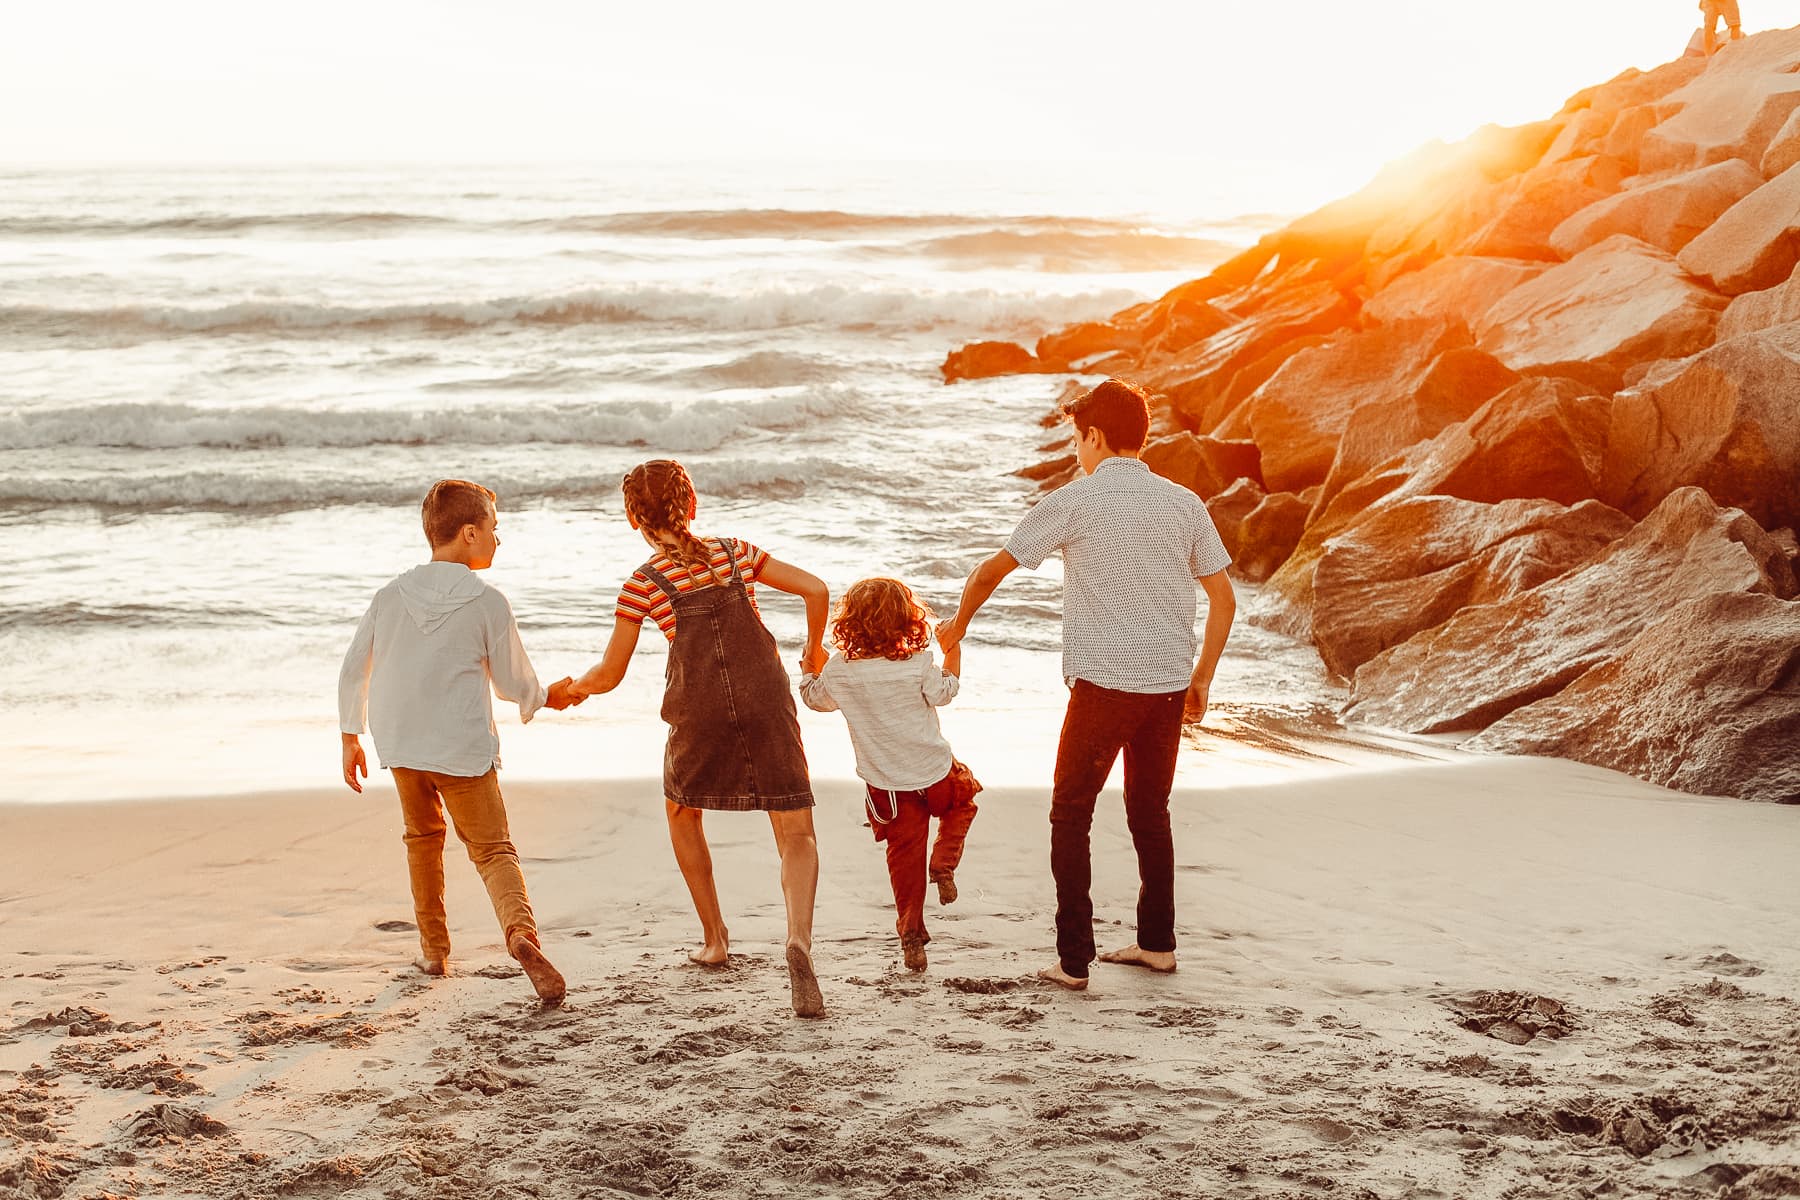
{"type": "Point", "coordinates": [433, 591]}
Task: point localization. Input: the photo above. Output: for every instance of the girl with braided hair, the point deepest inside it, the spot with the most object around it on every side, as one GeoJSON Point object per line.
{"type": "Point", "coordinates": [734, 736]}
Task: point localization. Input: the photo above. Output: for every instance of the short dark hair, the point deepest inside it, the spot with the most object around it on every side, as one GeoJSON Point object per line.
{"type": "Point", "coordinates": [1119, 410]}
{"type": "Point", "coordinates": [451, 504]}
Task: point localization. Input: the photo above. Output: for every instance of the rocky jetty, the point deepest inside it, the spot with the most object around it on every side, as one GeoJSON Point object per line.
{"type": "Point", "coordinates": [1513, 433]}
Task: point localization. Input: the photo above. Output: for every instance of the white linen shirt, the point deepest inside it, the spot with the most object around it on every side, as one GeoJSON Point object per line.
{"type": "Point", "coordinates": [891, 708]}
{"type": "Point", "coordinates": [420, 668]}
{"type": "Point", "coordinates": [1133, 544]}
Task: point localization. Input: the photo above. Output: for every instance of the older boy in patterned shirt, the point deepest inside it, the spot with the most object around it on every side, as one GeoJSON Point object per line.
{"type": "Point", "coordinates": [1133, 546]}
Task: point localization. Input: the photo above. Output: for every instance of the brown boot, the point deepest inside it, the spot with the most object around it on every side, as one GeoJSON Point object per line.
{"type": "Point", "coordinates": [546, 980]}
{"type": "Point", "coordinates": [912, 947]}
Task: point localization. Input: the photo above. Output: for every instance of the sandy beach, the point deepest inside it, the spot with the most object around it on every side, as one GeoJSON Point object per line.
{"type": "Point", "coordinates": [212, 998]}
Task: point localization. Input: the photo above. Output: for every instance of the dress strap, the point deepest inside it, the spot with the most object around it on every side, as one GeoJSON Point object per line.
{"type": "Point", "coordinates": [649, 571]}
{"type": "Point", "coordinates": [730, 546]}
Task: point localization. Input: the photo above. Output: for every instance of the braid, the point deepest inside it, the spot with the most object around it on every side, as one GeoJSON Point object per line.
{"type": "Point", "coordinates": [659, 495]}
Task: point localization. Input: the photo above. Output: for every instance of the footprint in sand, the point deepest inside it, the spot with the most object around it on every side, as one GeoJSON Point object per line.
{"type": "Point", "coordinates": [1327, 1130]}
{"type": "Point", "coordinates": [1727, 963]}
{"type": "Point", "coordinates": [396, 927]}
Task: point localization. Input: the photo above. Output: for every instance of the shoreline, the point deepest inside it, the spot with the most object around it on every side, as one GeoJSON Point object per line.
{"type": "Point", "coordinates": [1325, 933]}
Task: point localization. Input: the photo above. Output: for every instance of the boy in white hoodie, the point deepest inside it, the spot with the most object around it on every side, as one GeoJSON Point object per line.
{"type": "Point", "coordinates": [420, 669]}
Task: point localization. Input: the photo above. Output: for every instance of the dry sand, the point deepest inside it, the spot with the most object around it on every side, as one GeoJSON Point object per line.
{"type": "Point", "coordinates": [254, 1029]}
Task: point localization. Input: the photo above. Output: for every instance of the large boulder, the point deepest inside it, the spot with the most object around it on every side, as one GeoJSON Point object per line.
{"type": "Point", "coordinates": [1539, 439]}
{"type": "Point", "coordinates": [1784, 147]}
{"type": "Point", "coordinates": [1613, 306]}
{"type": "Point", "coordinates": [1269, 534]}
{"type": "Point", "coordinates": [1732, 110]}
{"type": "Point", "coordinates": [1668, 213]}
{"type": "Point", "coordinates": [1507, 217]}
{"type": "Point", "coordinates": [1200, 374]}
{"type": "Point", "coordinates": [1707, 700]}
{"type": "Point", "coordinates": [1089, 339]}
{"type": "Point", "coordinates": [1204, 465]}
{"type": "Point", "coordinates": [1173, 325]}
{"type": "Point", "coordinates": [1624, 138]}
{"type": "Point", "coordinates": [1766, 309]}
{"type": "Point", "coordinates": [1411, 565]}
{"type": "Point", "coordinates": [1491, 659]}
{"type": "Point", "coordinates": [1632, 88]}
{"type": "Point", "coordinates": [1755, 243]}
{"type": "Point", "coordinates": [1299, 413]}
{"type": "Point", "coordinates": [980, 360]}
{"type": "Point", "coordinates": [1540, 200]}
{"type": "Point", "coordinates": [1458, 288]}
{"type": "Point", "coordinates": [1228, 405]}
{"type": "Point", "coordinates": [1228, 510]}
{"type": "Point", "coordinates": [1728, 421]}
{"type": "Point", "coordinates": [1450, 389]}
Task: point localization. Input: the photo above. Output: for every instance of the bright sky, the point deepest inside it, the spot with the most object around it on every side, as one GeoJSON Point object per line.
{"type": "Point", "coordinates": [1325, 82]}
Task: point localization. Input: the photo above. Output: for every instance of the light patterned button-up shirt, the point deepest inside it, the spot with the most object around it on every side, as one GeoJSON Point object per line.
{"type": "Point", "coordinates": [1133, 544]}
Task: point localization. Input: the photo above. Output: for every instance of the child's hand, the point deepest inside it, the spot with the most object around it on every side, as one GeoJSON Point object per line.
{"type": "Point", "coordinates": [355, 762]}
{"type": "Point", "coordinates": [812, 661]}
{"type": "Point", "coordinates": [563, 694]}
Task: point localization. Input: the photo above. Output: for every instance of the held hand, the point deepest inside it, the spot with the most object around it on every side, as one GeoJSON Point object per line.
{"type": "Point", "coordinates": [1194, 711]}
{"type": "Point", "coordinates": [950, 634]}
{"type": "Point", "coordinates": [812, 660]}
{"type": "Point", "coordinates": [563, 694]}
{"type": "Point", "coordinates": [354, 763]}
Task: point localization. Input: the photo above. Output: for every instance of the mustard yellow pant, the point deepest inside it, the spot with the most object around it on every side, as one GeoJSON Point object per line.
{"type": "Point", "coordinates": [478, 815]}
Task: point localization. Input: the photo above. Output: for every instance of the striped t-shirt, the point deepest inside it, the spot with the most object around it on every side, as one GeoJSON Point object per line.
{"type": "Point", "coordinates": [640, 598]}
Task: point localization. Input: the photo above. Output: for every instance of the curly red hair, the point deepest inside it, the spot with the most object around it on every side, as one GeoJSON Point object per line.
{"type": "Point", "coordinates": [881, 618]}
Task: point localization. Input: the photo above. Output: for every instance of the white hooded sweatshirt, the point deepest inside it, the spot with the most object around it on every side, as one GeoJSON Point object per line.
{"type": "Point", "coordinates": [421, 665]}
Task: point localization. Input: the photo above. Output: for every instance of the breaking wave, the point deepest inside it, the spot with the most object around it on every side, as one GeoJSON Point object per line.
{"type": "Point", "coordinates": [699, 424]}
{"type": "Point", "coordinates": [829, 305]}
{"type": "Point", "coordinates": [282, 490]}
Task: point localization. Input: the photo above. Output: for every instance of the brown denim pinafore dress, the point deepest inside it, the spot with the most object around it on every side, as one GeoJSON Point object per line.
{"type": "Point", "coordinates": [734, 737]}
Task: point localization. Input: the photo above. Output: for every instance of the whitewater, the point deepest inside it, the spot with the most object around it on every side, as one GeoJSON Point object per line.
{"type": "Point", "coordinates": [223, 392]}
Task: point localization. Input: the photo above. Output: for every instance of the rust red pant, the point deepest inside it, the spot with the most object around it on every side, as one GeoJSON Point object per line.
{"type": "Point", "coordinates": [906, 834]}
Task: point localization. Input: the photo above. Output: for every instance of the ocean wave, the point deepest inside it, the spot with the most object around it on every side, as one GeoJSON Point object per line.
{"type": "Point", "coordinates": [832, 305]}
{"type": "Point", "coordinates": [204, 225]}
{"type": "Point", "coordinates": [757, 369]}
{"type": "Point", "coordinates": [1063, 250]}
{"type": "Point", "coordinates": [271, 491]}
{"type": "Point", "coordinates": [678, 426]}
{"type": "Point", "coordinates": [75, 614]}
{"type": "Point", "coordinates": [720, 223]}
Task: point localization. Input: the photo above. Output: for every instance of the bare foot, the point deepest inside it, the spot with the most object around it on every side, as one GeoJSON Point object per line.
{"type": "Point", "coordinates": [913, 950]}
{"type": "Point", "coordinates": [713, 953]}
{"type": "Point", "coordinates": [946, 885]}
{"type": "Point", "coordinates": [430, 966]}
{"type": "Point", "coordinates": [1160, 961]}
{"type": "Point", "coordinates": [1061, 978]}
{"type": "Point", "coordinates": [546, 980]}
{"type": "Point", "coordinates": [808, 1000]}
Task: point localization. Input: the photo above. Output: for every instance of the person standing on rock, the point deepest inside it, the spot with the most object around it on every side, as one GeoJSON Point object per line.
{"type": "Point", "coordinates": [1711, 13]}
{"type": "Point", "coordinates": [1133, 546]}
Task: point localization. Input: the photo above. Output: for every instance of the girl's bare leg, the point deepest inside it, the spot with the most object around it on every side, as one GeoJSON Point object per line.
{"type": "Point", "coordinates": [688, 836]}
{"type": "Point", "coordinates": [799, 852]}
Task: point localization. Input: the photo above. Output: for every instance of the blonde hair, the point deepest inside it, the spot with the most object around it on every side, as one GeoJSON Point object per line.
{"type": "Point", "coordinates": [659, 495]}
{"type": "Point", "coordinates": [881, 618]}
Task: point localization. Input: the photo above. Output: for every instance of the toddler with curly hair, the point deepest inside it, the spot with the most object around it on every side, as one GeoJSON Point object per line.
{"type": "Point", "coordinates": [886, 681]}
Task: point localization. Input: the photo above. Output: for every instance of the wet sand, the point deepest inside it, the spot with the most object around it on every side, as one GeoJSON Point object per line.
{"type": "Point", "coordinates": [1482, 978]}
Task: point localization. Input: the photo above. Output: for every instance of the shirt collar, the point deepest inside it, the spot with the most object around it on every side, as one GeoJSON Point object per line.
{"type": "Point", "coordinates": [1119, 462]}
